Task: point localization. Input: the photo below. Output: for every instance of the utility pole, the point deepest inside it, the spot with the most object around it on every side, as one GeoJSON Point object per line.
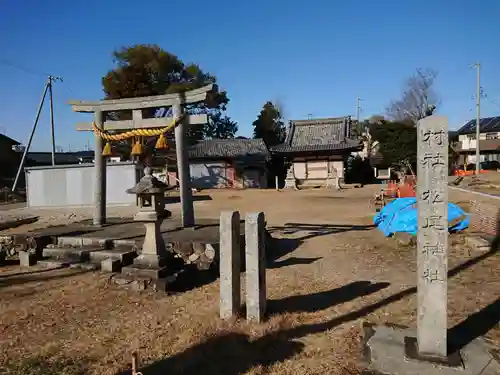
{"type": "Point", "coordinates": [48, 86]}
{"type": "Point", "coordinates": [358, 109]}
{"type": "Point", "coordinates": [478, 114]}
{"type": "Point", "coordinates": [52, 131]}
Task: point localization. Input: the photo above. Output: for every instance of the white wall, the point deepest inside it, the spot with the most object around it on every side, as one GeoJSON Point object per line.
{"type": "Point", "coordinates": [73, 185]}
{"type": "Point", "coordinates": [208, 175]}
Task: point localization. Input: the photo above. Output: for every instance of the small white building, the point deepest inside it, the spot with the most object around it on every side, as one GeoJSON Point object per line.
{"type": "Point", "coordinates": [221, 163]}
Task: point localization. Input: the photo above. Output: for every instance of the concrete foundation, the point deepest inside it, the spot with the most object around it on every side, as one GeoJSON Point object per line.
{"type": "Point", "coordinates": [392, 351]}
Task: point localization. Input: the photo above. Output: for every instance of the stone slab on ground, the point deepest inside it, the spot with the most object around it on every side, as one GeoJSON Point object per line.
{"type": "Point", "coordinates": [78, 254]}
{"type": "Point", "coordinates": [384, 353]}
{"type": "Point", "coordinates": [139, 271]}
{"type": "Point", "coordinates": [58, 263]}
{"type": "Point", "coordinates": [86, 266]}
{"type": "Point", "coordinates": [478, 243]}
{"type": "Point", "coordinates": [124, 255]}
{"type": "Point", "coordinates": [128, 233]}
{"type": "Point", "coordinates": [142, 283]}
{"type": "Point", "coordinates": [8, 222]}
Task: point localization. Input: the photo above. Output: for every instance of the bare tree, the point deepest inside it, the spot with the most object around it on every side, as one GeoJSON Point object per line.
{"type": "Point", "coordinates": [419, 99]}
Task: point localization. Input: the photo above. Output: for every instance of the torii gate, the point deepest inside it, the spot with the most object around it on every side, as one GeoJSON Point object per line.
{"type": "Point", "coordinates": [136, 105]}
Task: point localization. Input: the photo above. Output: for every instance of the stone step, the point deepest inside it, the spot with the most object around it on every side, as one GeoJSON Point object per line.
{"type": "Point", "coordinates": [140, 271]}
{"type": "Point", "coordinates": [77, 254]}
{"type": "Point", "coordinates": [59, 262]}
{"type": "Point", "coordinates": [124, 255]}
{"type": "Point", "coordinates": [94, 241]}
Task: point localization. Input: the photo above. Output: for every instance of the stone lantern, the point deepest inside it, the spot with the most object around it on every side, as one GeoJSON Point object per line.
{"type": "Point", "coordinates": [151, 201]}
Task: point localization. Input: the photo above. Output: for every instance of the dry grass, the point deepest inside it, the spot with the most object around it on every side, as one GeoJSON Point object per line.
{"type": "Point", "coordinates": [331, 276]}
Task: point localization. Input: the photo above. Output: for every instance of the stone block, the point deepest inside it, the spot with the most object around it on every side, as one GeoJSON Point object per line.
{"type": "Point", "coordinates": [111, 265]}
{"type": "Point", "coordinates": [477, 243]}
{"type": "Point", "coordinates": [57, 263]}
{"type": "Point", "coordinates": [125, 255]}
{"type": "Point", "coordinates": [385, 352]}
{"type": "Point", "coordinates": [144, 272]}
{"type": "Point", "coordinates": [84, 266]}
{"type": "Point", "coordinates": [255, 263]}
{"type": "Point", "coordinates": [229, 264]}
{"type": "Point", "coordinates": [405, 239]}
{"type": "Point", "coordinates": [77, 254]}
{"type": "Point", "coordinates": [26, 259]}
{"type": "Point", "coordinates": [69, 241]}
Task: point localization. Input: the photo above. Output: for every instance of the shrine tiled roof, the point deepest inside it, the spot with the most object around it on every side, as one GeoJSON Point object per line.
{"type": "Point", "coordinates": [229, 148]}
{"type": "Point", "coordinates": [327, 134]}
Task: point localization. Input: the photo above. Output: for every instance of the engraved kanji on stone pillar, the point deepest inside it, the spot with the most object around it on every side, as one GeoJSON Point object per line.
{"type": "Point", "coordinates": [432, 236]}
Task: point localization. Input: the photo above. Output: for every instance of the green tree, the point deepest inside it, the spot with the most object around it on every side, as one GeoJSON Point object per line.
{"type": "Point", "coordinates": [220, 127]}
{"type": "Point", "coordinates": [397, 143]}
{"type": "Point", "coordinates": [269, 125]}
{"type": "Point", "coordinates": [145, 70]}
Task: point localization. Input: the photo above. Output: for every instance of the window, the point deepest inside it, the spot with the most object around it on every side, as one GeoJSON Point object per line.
{"type": "Point", "coordinates": [471, 137]}
{"type": "Point", "coordinates": [491, 135]}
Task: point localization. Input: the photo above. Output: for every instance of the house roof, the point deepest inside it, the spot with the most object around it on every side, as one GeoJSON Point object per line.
{"type": "Point", "coordinates": [46, 158]}
{"type": "Point", "coordinates": [487, 124]}
{"type": "Point", "coordinates": [228, 148]}
{"type": "Point", "coordinates": [327, 134]}
{"type": "Point", "coordinates": [9, 139]}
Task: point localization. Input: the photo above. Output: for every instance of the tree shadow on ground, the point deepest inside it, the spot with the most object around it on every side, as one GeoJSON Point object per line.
{"type": "Point", "coordinates": [228, 354]}
{"type": "Point", "coordinates": [192, 278]}
{"type": "Point", "coordinates": [235, 353]}
{"type": "Point", "coordinates": [479, 323]}
{"type": "Point", "coordinates": [279, 247]}
{"type": "Point", "coordinates": [324, 300]}
{"type": "Point", "coordinates": [317, 230]}
{"type": "Point", "coordinates": [476, 325]}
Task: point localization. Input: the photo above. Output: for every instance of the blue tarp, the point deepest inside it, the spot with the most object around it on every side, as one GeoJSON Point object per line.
{"type": "Point", "coordinates": [401, 216]}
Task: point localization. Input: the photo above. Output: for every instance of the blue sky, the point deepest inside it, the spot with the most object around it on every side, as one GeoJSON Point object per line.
{"type": "Point", "coordinates": [314, 56]}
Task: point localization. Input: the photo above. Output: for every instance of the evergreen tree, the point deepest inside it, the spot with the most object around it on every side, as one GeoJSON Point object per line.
{"type": "Point", "coordinates": [269, 125]}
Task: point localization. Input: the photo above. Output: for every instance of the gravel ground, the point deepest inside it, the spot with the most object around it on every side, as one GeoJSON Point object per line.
{"type": "Point", "coordinates": [331, 272]}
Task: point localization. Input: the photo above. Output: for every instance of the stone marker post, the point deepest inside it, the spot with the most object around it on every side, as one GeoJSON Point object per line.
{"type": "Point", "coordinates": [230, 264]}
{"type": "Point", "coordinates": [255, 266]}
{"type": "Point", "coordinates": [432, 236]}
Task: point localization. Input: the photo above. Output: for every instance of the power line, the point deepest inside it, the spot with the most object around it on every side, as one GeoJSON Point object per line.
{"type": "Point", "coordinates": [23, 68]}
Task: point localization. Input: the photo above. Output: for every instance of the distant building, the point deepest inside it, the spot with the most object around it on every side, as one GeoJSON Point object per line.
{"type": "Point", "coordinates": [239, 163]}
{"type": "Point", "coordinates": [9, 160]}
{"type": "Point", "coordinates": [489, 140]}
